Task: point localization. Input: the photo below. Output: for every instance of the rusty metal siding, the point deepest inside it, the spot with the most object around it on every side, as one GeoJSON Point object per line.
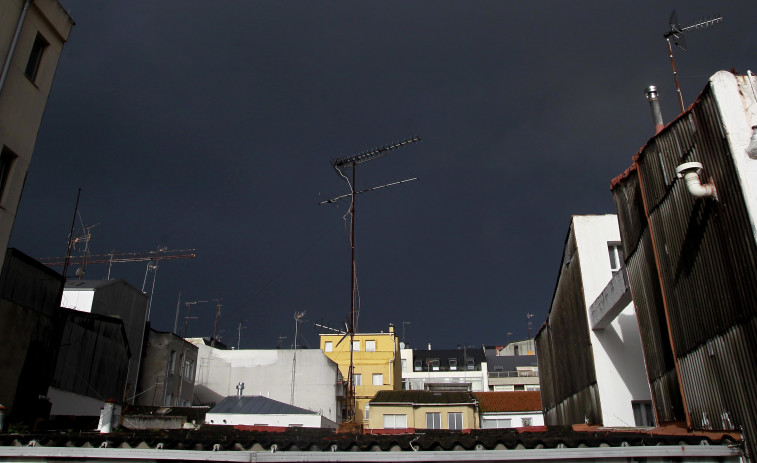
{"type": "Point", "coordinates": [705, 274]}
{"type": "Point", "coordinates": [653, 328]}
{"type": "Point", "coordinates": [566, 362]}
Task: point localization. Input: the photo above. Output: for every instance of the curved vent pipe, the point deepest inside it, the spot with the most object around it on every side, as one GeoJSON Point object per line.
{"type": "Point", "coordinates": [689, 171]}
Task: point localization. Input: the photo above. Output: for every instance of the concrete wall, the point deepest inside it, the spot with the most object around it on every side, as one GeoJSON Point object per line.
{"type": "Point", "coordinates": [618, 358]}
{"type": "Point", "coordinates": [159, 383]}
{"type": "Point", "coordinates": [22, 102]}
{"type": "Point", "coordinates": [268, 373]}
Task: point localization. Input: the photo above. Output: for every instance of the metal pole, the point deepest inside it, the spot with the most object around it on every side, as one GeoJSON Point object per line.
{"type": "Point", "coordinates": [71, 236]}
{"type": "Point", "coordinates": [675, 74]}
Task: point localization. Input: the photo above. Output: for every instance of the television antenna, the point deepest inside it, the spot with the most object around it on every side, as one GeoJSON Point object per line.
{"type": "Point", "coordinates": [239, 332]}
{"type": "Point", "coordinates": [343, 163]}
{"type": "Point", "coordinates": [298, 318]}
{"type": "Point", "coordinates": [676, 34]}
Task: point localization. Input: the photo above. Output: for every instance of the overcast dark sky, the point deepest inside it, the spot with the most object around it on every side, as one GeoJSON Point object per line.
{"type": "Point", "coordinates": [211, 124]}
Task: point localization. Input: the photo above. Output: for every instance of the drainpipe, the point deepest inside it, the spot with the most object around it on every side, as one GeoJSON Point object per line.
{"type": "Point", "coordinates": [689, 171]}
{"type": "Point", "coordinates": [12, 49]}
{"type": "Point", "coordinates": [654, 105]}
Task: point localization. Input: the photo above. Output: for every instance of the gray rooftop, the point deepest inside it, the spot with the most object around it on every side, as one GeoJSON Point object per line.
{"type": "Point", "coordinates": [257, 405]}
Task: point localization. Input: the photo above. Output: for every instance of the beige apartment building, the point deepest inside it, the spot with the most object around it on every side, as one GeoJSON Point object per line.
{"type": "Point", "coordinates": [32, 34]}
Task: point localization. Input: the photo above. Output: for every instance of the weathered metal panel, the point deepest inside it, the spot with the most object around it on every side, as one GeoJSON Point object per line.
{"type": "Point", "coordinates": [701, 257]}
{"type": "Point", "coordinates": [568, 379]}
{"type": "Point", "coordinates": [658, 354]}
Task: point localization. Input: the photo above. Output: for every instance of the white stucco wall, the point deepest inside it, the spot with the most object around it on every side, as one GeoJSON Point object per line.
{"type": "Point", "coordinates": [516, 419]}
{"type": "Point", "coordinates": [618, 358]}
{"type": "Point", "coordinates": [268, 373]}
{"type": "Point", "coordinates": [78, 299]}
{"type": "Point", "coordinates": [306, 421]}
{"type": "Point", "coordinates": [737, 101]}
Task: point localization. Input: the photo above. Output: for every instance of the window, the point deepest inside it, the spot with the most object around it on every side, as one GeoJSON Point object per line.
{"type": "Point", "coordinates": [470, 364]}
{"type": "Point", "coordinates": [395, 421]}
{"type": "Point", "coordinates": [433, 420]}
{"type": "Point", "coordinates": [378, 379]}
{"type": "Point", "coordinates": [532, 387]}
{"type": "Point", "coordinates": [497, 423]}
{"type": "Point", "coordinates": [7, 158]}
{"type": "Point", "coordinates": [367, 412]}
{"type": "Point", "coordinates": [189, 370]}
{"type": "Point", "coordinates": [453, 364]}
{"type": "Point", "coordinates": [527, 421]}
{"type": "Point", "coordinates": [404, 364]}
{"type": "Point", "coordinates": [357, 379]}
{"type": "Point", "coordinates": [642, 412]}
{"type": "Point", "coordinates": [35, 57]}
{"type": "Point", "coordinates": [356, 346]}
{"type": "Point", "coordinates": [172, 362]}
{"type": "Point", "coordinates": [370, 346]}
{"type": "Point", "coordinates": [328, 346]}
{"type": "Point", "coordinates": [435, 364]}
{"type": "Point", "coordinates": [616, 256]}
{"type": "Point", "coordinates": [455, 420]}
{"type": "Point", "coordinates": [418, 365]}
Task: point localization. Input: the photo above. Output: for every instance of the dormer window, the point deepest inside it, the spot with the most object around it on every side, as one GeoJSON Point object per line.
{"type": "Point", "coordinates": [453, 364]}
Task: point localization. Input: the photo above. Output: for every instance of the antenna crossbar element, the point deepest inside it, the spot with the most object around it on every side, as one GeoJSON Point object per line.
{"type": "Point", "coordinates": [376, 153]}
{"type": "Point", "coordinates": [333, 200]}
{"type": "Point", "coordinates": [126, 257]}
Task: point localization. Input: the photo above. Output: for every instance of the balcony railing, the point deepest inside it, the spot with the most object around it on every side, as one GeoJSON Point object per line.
{"type": "Point", "coordinates": [513, 374]}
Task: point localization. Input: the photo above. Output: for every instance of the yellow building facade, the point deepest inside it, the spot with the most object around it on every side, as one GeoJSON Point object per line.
{"type": "Point", "coordinates": [423, 410]}
{"type": "Point", "coordinates": [377, 364]}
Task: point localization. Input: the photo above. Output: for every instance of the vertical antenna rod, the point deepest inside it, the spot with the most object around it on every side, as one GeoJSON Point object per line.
{"type": "Point", "coordinates": [353, 161]}
{"type": "Point", "coordinates": [71, 236]}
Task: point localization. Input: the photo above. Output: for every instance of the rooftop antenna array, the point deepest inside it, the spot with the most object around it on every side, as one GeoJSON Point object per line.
{"type": "Point", "coordinates": [676, 34]}
{"type": "Point", "coordinates": [343, 163]}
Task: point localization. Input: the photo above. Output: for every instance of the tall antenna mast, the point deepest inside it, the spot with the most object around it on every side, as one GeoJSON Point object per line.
{"type": "Point", "coordinates": [338, 164]}
{"type": "Point", "coordinates": [297, 322]}
{"type": "Point", "coordinates": [239, 333]}
{"type": "Point", "coordinates": [676, 33]}
{"type": "Point", "coordinates": [218, 316]}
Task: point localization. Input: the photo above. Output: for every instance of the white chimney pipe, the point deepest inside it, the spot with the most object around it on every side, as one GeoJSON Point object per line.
{"type": "Point", "coordinates": [689, 171]}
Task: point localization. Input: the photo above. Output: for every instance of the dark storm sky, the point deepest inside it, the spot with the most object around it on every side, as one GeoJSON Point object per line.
{"type": "Point", "coordinates": [210, 125]}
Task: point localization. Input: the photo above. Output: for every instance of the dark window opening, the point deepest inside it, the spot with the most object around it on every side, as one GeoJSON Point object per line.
{"type": "Point", "coordinates": [7, 158]}
{"type": "Point", "coordinates": [35, 57]}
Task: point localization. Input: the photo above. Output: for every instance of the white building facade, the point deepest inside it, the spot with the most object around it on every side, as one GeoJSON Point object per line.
{"type": "Point", "coordinates": [269, 373]}
{"type": "Point", "coordinates": [591, 364]}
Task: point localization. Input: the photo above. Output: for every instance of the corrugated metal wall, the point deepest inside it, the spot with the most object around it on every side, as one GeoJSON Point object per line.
{"type": "Point", "coordinates": [568, 380]}
{"type": "Point", "coordinates": [705, 271]}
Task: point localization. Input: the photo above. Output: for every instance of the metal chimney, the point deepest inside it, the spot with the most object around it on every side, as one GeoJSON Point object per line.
{"type": "Point", "coordinates": [654, 105]}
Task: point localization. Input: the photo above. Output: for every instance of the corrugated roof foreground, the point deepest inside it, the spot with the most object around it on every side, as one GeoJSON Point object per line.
{"type": "Point", "coordinates": [509, 401]}
{"type": "Point", "coordinates": [225, 443]}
